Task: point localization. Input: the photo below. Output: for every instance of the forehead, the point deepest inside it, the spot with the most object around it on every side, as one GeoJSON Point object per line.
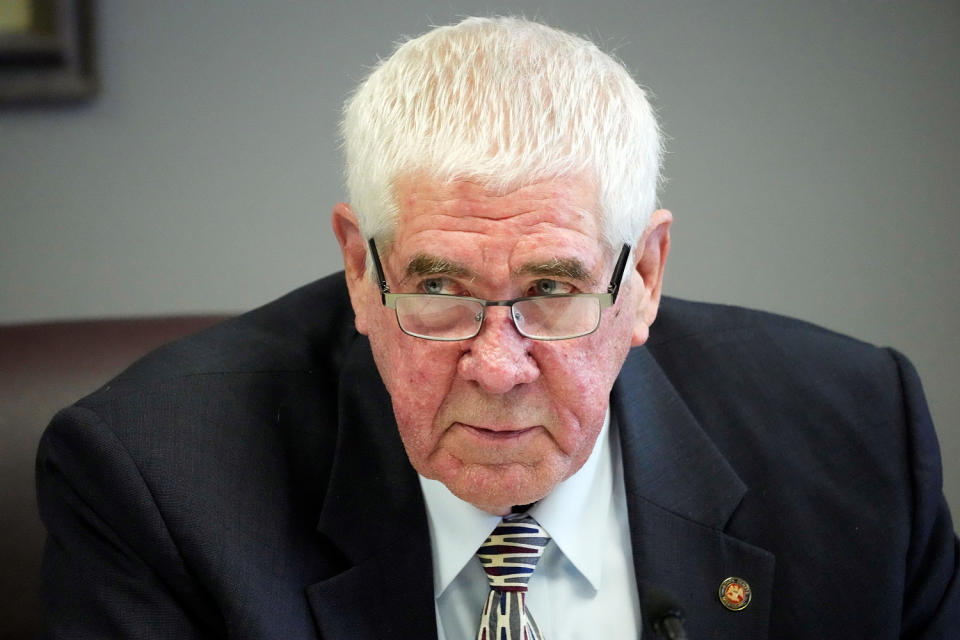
{"type": "Point", "coordinates": [552, 218]}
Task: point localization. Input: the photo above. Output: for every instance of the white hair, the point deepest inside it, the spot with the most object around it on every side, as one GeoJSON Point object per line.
{"type": "Point", "coordinates": [505, 102]}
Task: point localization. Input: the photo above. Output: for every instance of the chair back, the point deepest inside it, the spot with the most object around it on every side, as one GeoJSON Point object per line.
{"type": "Point", "coordinates": [43, 368]}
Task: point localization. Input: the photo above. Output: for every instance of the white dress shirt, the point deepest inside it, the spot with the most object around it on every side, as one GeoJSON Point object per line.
{"type": "Point", "coordinates": [584, 585]}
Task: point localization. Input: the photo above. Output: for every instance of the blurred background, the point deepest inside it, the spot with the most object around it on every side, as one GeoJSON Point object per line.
{"type": "Point", "coordinates": [812, 166]}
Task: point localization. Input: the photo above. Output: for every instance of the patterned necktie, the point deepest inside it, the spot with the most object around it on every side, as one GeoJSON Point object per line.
{"type": "Point", "coordinates": [509, 557]}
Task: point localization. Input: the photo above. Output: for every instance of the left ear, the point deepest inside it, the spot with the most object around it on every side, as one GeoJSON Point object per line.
{"type": "Point", "coordinates": [649, 259]}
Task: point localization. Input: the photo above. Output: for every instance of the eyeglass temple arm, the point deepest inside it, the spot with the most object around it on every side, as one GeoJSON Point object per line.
{"type": "Point", "coordinates": [381, 278]}
{"type": "Point", "coordinates": [614, 287]}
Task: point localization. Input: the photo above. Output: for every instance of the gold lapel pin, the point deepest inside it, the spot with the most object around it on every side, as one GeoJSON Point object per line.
{"type": "Point", "coordinates": [735, 593]}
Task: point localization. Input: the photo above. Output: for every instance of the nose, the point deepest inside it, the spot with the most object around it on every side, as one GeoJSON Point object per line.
{"type": "Point", "coordinates": [498, 358]}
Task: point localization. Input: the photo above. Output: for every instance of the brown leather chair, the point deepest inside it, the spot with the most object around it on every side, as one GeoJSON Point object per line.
{"type": "Point", "coordinates": [44, 367]}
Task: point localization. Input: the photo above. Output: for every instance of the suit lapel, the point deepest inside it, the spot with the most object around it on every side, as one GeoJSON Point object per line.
{"type": "Point", "coordinates": [681, 492]}
{"type": "Point", "coordinates": [374, 515]}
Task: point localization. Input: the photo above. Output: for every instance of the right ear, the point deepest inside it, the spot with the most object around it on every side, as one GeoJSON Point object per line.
{"type": "Point", "coordinates": [354, 249]}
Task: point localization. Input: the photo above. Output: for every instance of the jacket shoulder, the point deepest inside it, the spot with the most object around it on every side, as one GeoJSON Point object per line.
{"type": "Point", "coordinates": [687, 320]}
{"type": "Point", "coordinates": [195, 460]}
{"type": "Point", "coordinates": [719, 355]}
{"type": "Point", "coordinates": [307, 330]}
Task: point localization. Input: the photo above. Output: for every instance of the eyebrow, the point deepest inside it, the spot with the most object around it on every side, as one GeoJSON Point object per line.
{"type": "Point", "coordinates": [424, 264]}
{"type": "Point", "coordinates": [569, 268]}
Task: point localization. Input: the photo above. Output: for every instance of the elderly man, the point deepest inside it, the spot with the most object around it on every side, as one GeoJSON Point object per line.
{"type": "Point", "coordinates": [479, 431]}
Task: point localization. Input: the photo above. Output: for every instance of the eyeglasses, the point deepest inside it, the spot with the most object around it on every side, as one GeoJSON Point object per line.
{"type": "Point", "coordinates": [436, 316]}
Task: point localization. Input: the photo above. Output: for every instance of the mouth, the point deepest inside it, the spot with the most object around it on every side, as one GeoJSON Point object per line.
{"type": "Point", "coordinates": [499, 434]}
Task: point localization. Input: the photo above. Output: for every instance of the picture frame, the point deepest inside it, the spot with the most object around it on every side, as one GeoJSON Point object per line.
{"type": "Point", "coordinates": [47, 52]}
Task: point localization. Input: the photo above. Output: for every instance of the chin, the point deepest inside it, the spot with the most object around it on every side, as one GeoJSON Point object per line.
{"type": "Point", "coordinates": [496, 488]}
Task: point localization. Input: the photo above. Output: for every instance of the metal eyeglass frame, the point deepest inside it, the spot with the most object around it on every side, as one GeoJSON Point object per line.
{"type": "Point", "coordinates": [607, 299]}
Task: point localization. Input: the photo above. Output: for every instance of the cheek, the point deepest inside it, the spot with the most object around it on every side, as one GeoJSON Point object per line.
{"type": "Point", "coordinates": [580, 379]}
{"type": "Point", "coordinates": [595, 360]}
{"type": "Point", "coordinates": [578, 374]}
{"type": "Point", "coordinates": [418, 375]}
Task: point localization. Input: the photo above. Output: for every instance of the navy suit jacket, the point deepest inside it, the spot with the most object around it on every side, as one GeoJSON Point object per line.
{"type": "Point", "coordinates": [249, 482]}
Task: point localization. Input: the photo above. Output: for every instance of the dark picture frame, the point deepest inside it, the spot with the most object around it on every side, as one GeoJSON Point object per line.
{"type": "Point", "coordinates": [48, 57]}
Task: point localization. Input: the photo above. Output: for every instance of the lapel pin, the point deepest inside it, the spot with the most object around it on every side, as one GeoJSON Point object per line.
{"type": "Point", "coordinates": [735, 593]}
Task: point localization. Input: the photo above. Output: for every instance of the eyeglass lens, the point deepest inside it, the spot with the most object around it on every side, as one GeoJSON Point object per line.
{"type": "Point", "coordinates": [450, 318]}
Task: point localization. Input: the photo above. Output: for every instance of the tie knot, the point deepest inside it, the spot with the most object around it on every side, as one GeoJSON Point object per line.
{"type": "Point", "coordinates": [512, 551]}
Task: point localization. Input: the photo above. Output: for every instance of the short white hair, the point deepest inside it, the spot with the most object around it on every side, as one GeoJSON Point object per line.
{"type": "Point", "coordinates": [505, 102]}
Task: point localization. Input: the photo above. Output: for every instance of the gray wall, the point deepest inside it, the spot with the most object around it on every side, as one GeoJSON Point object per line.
{"type": "Point", "coordinates": [813, 160]}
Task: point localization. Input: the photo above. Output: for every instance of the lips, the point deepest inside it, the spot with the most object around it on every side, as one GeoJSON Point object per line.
{"type": "Point", "coordinates": [498, 434]}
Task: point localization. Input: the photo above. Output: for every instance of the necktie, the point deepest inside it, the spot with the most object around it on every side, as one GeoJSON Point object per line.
{"type": "Point", "coordinates": [509, 557]}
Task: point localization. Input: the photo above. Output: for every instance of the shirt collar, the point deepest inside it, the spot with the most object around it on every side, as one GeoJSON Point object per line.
{"type": "Point", "coordinates": [574, 514]}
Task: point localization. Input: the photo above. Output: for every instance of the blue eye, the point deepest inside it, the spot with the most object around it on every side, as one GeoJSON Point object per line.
{"type": "Point", "coordinates": [546, 287]}
{"type": "Point", "coordinates": [549, 287]}
{"type": "Point", "coordinates": [433, 285]}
